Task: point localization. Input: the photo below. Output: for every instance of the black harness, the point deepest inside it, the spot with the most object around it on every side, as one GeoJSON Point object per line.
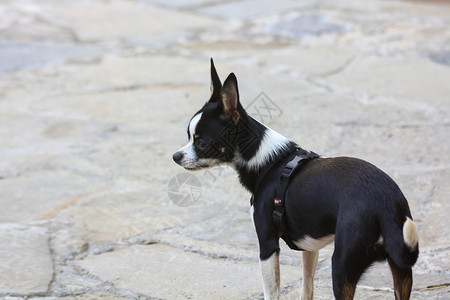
{"type": "Point", "coordinates": [298, 158]}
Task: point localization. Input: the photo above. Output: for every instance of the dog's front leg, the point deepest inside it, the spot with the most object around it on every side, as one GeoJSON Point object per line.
{"type": "Point", "coordinates": [310, 259]}
{"type": "Point", "coordinates": [269, 248]}
{"type": "Point", "coordinates": [270, 269]}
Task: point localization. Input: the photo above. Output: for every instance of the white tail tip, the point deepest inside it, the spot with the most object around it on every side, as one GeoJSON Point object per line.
{"type": "Point", "coordinates": [410, 234]}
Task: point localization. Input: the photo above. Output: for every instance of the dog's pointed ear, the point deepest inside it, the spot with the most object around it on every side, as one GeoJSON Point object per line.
{"type": "Point", "coordinates": [230, 98]}
{"type": "Point", "coordinates": [216, 85]}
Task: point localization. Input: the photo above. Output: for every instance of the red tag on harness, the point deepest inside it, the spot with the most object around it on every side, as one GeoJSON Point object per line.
{"type": "Point", "coordinates": [277, 201]}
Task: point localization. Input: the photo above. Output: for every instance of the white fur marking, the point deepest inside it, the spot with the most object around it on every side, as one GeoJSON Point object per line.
{"type": "Point", "coordinates": [309, 259]}
{"type": "Point", "coordinates": [193, 126]}
{"type": "Point", "coordinates": [252, 215]}
{"type": "Point", "coordinates": [188, 150]}
{"type": "Point", "coordinates": [271, 144]}
{"type": "Point", "coordinates": [310, 244]}
{"type": "Point", "coordinates": [270, 269]}
{"type": "Point", "coordinates": [410, 234]}
{"type": "Point", "coordinates": [380, 240]}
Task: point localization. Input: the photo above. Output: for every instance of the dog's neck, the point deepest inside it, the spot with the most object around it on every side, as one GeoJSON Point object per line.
{"type": "Point", "coordinates": [272, 147]}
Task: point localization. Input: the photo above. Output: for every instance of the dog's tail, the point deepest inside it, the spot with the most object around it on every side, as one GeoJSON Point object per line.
{"type": "Point", "coordinates": [402, 244]}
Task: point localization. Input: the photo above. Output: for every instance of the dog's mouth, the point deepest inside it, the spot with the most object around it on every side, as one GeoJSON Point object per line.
{"type": "Point", "coordinates": [197, 165]}
{"type": "Point", "coordinates": [194, 168]}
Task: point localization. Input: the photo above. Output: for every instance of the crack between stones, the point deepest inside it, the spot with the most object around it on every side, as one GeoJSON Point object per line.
{"type": "Point", "coordinates": [191, 246]}
{"type": "Point", "coordinates": [75, 38]}
{"type": "Point", "coordinates": [43, 20]}
{"type": "Point", "coordinates": [52, 255]}
{"type": "Point", "coordinates": [106, 287]}
{"type": "Point", "coordinates": [183, 247]}
{"type": "Point", "coordinates": [208, 254]}
{"type": "Point", "coordinates": [339, 69]}
{"type": "Point", "coordinates": [111, 288]}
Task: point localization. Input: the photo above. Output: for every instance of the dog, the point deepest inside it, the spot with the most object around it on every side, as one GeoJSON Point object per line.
{"type": "Point", "coordinates": [341, 199]}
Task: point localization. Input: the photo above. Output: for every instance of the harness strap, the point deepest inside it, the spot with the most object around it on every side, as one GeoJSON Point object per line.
{"type": "Point", "coordinates": [292, 167]}
{"type": "Point", "coordinates": [300, 156]}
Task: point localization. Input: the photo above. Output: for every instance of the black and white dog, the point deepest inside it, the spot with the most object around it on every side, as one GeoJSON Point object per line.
{"type": "Point", "coordinates": [343, 199]}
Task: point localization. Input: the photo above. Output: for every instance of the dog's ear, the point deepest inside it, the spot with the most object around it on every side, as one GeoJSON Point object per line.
{"type": "Point", "coordinates": [216, 85]}
{"type": "Point", "coordinates": [230, 98]}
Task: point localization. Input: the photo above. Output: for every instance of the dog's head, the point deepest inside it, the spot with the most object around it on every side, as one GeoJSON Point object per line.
{"type": "Point", "coordinates": [212, 138]}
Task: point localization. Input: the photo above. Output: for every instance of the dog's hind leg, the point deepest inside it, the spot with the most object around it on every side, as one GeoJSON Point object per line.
{"type": "Point", "coordinates": [344, 285]}
{"type": "Point", "coordinates": [270, 269]}
{"type": "Point", "coordinates": [310, 259]}
{"type": "Point", "coordinates": [349, 260]}
{"type": "Point", "coordinates": [402, 281]}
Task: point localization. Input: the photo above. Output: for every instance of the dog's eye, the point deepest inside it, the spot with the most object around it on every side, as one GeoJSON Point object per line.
{"type": "Point", "coordinates": [201, 144]}
{"type": "Point", "coordinates": [196, 136]}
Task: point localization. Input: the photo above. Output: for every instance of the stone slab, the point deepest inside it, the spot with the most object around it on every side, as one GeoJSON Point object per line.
{"type": "Point", "coordinates": [181, 4]}
{"type": "Point", "coordinates": [134, 22]}
{"type": "Point", "coordinates": [319, 60]}
{"type": "Point", "coordinates": [306, 26]}
{"type": "Point", "coordinates": [59, 190]}
{"type": "Point", "coordinates": [85, 296]}
{"type": "Point", "coordinates": [114, 73]}
{"type": "Point", "coordinates": [412, 79]}
{"type": "Point", "coordinates": [87, 142]}
{"type": "Point", "coordinates": [26, 266]}
{"type": "Point", "coordinates": [15, 56]}
{"type": "Point", "coordinates": [242, 10]}
{"type": "Point", "coordinates": [163, 272]}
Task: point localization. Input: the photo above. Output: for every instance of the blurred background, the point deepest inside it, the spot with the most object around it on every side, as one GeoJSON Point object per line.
{"type": "Point", "coordinates": [95, 96]}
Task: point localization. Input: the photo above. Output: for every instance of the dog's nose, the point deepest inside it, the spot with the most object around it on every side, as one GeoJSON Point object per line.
{"type": "Point", "coordinates": [177, 156]}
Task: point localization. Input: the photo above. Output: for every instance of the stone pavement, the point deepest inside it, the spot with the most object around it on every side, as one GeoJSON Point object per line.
{"type": "Point", "coordinates": [95, 96]}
